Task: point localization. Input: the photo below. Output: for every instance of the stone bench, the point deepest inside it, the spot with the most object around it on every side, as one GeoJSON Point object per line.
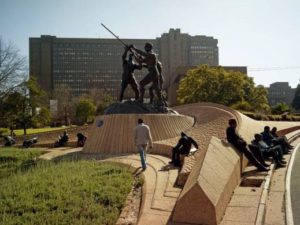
{"type": "Point", "coordinates": [210, 185]}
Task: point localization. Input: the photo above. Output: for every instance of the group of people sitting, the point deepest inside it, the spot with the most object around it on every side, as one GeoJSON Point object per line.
{"type": "Point", "coordinates": [264, 145]}
{"type": "Point", "coordinates": [63, 139]}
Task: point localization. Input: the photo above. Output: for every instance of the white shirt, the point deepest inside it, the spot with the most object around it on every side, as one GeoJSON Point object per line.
{"type": "Point", "coordinates": [142, 135]}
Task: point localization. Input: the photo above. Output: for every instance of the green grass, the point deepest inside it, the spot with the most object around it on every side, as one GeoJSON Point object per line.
{"type": "Point", "coordinates": [16, 159]}
{"type": "Point", "coordinates": [81, 192]}
{"type": "Point", "coordinates": [35, 130]}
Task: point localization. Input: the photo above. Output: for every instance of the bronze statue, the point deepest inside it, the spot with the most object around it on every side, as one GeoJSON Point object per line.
{"type": "Point", "coordinates": [161, 82]}
{"type": "Point", "coordinates": [149, 58]}
{"type": "Point", "coordinates": [128, 75]}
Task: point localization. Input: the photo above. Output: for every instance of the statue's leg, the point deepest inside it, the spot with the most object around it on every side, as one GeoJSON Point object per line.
{"type": "Point", "coordinates": [146, 80]}
{"type": "Point", "coordinates": [158, 91]}
{"type": "Point", "coordinates": [123, 87]}
{"type": "Point", "coordinates": [134, 87]}
{"type": "Point", "coordinates": [151, 95]}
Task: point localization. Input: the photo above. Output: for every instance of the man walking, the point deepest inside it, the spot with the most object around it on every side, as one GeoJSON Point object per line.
{"type": "Point", "coordinates": [142, 136]}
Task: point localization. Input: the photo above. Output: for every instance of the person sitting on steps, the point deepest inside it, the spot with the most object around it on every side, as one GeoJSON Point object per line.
{"type": "Point", "coordinates": [280, 139]}
{"type": "Point", "coordinates": [240, 144]}
{"type": "Point", "coordinates": [267, 151]}
{"type": "Point", "coordinates": [183, 147]}
{"type": "Point", "coordinates": [271, 141]}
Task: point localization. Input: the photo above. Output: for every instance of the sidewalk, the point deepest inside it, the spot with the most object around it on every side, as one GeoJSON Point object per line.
{"type": "Point", "coordinates": [159, 193]}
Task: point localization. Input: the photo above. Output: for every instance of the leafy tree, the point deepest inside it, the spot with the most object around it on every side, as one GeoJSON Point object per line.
{"type": "Point", "coordinates": [20, 107]}
{"type": "Point", "coordinates": [280, 108]}
{"type": "Point", "coordinates": [243, 105]}
{"type": "Point", "coordinates": [100, 98]}
{"type": "Point", "coordinates": [296, 100]}
{"type": "Point", "coordinates": [66, 103]}
{"type": "Point", "coordinates": [85, 110]}
{"type": "Point", "coordinates": [220, 86]}
{"type": "Point", "coordinates": [259, 100]}
{"type": "Point", "coordinates": [12, 68]}
{"type": "Point", "coordinates": [105, 102]}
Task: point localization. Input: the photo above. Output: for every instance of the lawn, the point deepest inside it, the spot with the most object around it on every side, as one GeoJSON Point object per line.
{"type": "Point", "coordinates": [76, 192]}
{"type": "Point", "coordinates": [13, 160]}
{"type": "Point", "coordinates": [19, 132]}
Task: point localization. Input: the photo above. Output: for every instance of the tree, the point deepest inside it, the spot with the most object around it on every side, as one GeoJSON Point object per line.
{"type": "Point", "coordinates": [100, 98]}
{"type": "Point", "coordinates": [296, 100]}
{"type": "Point", "coordinates": [66, 103]}
{"type": "Point", "coordinates": [24, 106]}
{"type": "Point", "coordinates": [12, 68]}
{"type": "Point", "coordinates": [220, 86]}
{"type": "Point", "coordinates": [85, 110]}
{"type": "Point", "coordinates": [280, 108]}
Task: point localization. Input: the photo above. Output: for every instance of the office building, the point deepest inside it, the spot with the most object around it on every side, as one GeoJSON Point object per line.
{"type": "Point", "coordinates": [280, 92]}
{"type": "Point", "coordinates": [83, 64]}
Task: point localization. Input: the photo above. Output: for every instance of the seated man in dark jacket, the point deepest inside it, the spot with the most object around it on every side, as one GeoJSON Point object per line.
{"type": "Point", "coordinates": [267, 151]}
{"type": "Point", "coordinates": [239, 143]}
{"type": "Point", "coordinates": [183, 147]}
{"type": "Point", "coordinates": [281, 139]}
{"type": "Point", "coordinates": [269, 139]}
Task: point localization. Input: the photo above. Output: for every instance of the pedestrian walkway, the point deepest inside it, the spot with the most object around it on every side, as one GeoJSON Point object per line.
{"type": "Point", "coordinates": [56, 152]}
{"type": "Point", "coordinates": [159, 193]}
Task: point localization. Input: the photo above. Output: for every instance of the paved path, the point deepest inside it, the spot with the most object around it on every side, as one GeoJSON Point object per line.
{"type": "Point", "coordinates": [276, 202]}
{"type": "Point", "coordinates": [56, 152]}
{"type": "Point", "coordinates": [160, 193]}
{"type": "Point", "coordinates": [295, 186]}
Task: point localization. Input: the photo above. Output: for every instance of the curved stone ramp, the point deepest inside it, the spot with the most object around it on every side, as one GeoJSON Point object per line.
{"type": "Point", "coordinates": [159, 193]}
{"type": "Point", "coordinates": [214, 176]}
{"type": "Point", "coordinates": [113, 134]}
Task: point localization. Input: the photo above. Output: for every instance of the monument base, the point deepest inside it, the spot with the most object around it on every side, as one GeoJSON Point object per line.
{"type": "Point", "coordinates": [129, 107]}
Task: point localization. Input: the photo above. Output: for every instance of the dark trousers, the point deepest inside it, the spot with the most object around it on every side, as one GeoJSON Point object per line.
{"type": "Point", "coordinates": [242, 147]}
{"type": "Point", "coordinates": [281, 142]}
{"type": "Point", "coordinates": [272, 154]}
{"type": "Point", "coordinates": [176, 155]}
{"type": "Point", "coordinates": [257, 154]}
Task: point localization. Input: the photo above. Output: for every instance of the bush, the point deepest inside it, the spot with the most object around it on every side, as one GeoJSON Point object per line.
{"type": "Point", "coordinates": [280, 108]}
{"type": "Point", "coordinates": [3, 131]}
{"type": "Point", "coordinates": [244, 106]}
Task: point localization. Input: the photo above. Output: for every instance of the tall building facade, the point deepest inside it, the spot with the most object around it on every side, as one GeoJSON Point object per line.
{"type": "Point", "coordinates": [83, 64]}
{"type": "Point", "coordinates": [280, 92]}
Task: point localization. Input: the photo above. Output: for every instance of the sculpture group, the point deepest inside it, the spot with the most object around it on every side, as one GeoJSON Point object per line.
{"type": "Point", "coordinates": [145, 59]}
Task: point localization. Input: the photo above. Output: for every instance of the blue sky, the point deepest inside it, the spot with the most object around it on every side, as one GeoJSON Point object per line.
{"type": "Point", "coordinates": [254, 33]}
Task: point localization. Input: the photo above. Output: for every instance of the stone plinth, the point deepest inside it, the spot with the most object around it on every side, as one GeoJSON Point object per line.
{"type": "Point", "coordinates": [209, 187]}
{"type": "Point", "coordinates": [113, 134]}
